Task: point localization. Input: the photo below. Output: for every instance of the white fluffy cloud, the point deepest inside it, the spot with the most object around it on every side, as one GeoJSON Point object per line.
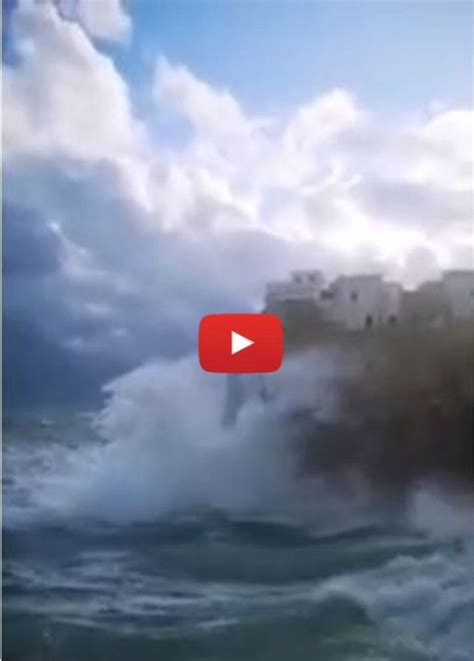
{"type": "Point", "coordinates": [146, 234]}
{"type": "Point", "coordinates": [215, 114]}
{"type": "Point", "coordinates": [331, 171]}
{"type": "Point", "coordinates": [65, 99]}
{"type": "Point", "coordinates": [64, 96]}
{"type": "Point", "coordinates": [104, 19]}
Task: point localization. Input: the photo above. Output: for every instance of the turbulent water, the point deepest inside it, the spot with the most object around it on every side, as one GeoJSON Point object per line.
{"type": "Point", "coordinates": [152, 531]}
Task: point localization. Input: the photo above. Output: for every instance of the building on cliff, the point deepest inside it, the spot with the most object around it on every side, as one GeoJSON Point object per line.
{"type": "Point", "coordinates": [364, 301]}
{"type": "Point", "coordinates": [459, 293]}
{"type": "Point", "coordinates": [353, 302]}
{"type": "Point", "coordinates": [425, 307]}
{"type": "Point", "coordinates": [440, 302]}
{"type": "Point", "coordinates": [360, 302]}
{"type": "Point", "coordinates": [302, 286]}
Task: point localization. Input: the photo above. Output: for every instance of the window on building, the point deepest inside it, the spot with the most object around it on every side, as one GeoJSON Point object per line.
{"type": "Point", "coordinates": [327, 295]}
{"type": "Point", "coordinates": [298, 279]}
{"type": "Point", "coordinates": [354, 296]}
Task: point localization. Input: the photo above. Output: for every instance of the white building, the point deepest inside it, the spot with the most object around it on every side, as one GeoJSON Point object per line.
{"type": "Point", "coordinates": [425, 307]}
{"type": "Point", "coordinates": [459, 292]}
{"type": "Point", "coordinates": [303, 286]}
{"type": "Point", "coordinates": [314, 279]}
{"type": "Point", "coordinates": [391, 303]}
{"type": "Point", "coordinates": [353, 302]}
{"type": "Point", "coordinates": [364, 301]}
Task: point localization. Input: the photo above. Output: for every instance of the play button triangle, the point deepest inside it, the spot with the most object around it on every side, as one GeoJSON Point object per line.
{"type": "Point", "coordinates": [239, 342]}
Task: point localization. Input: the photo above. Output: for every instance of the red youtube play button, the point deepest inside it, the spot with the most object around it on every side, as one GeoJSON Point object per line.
{"type": "Point", "coordinates": [240, 343]}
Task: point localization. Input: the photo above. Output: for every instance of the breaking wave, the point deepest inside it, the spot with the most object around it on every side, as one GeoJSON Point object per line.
{"type": "Point", "coordinates": [165, 448]}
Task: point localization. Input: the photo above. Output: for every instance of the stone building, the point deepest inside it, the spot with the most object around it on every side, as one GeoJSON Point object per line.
{"type": "Point", "coordinates": [352, 302]}
{"type": "Point", "coordinates": [440, 302]}
{"type": "Point", "coordinates": [364, 301]}
{"type": "Point", "coordinates": [425, 307]}
{"type": "Point", "coordinates": [459, 294]}
{"type": "Point", "coordinates": [303, 286]}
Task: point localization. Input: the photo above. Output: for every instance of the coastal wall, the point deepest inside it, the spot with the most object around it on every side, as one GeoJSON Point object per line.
{"type": "Point", "coordinates": [405, 396]}
{"type": "Point", "coordinates": [408, 411]}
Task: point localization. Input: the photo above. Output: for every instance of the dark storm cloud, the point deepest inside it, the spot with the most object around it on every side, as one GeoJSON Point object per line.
{"type": "Point", "coordinates": [30, 246]}
{"type": "Point", "coordinates": [119, 289]}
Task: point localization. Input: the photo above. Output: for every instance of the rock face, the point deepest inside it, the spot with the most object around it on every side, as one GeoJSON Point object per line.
{"type": "Point", "coordinates": [393, 405]}
{"type": "Point", "coordinates": [408, 412]}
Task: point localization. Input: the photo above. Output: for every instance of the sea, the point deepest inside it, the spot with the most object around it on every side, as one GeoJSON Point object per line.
{"type": "Point", "coordinates": [147, 529]}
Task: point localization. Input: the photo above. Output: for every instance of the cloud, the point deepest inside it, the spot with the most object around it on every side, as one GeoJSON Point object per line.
{"type": "Point", "coordinates": [64, 98]}
{"type": "Point", "coordinates": [421, 265]}
{"type": "Point", "coordinates": [123, 284]}
{"type": "Point", "coordinates": [317, 124]}
{"type": "Point", "coordinates": [117, 240]}
{"type": "Point", "coordinates": [103, 19]}
{"type": "Point", "coordinates": [212, 112]}
{"type": "Point", "coordinates": [328, 163]}
{"type": "Point", "coordinates": [411, 202]}
{"type": "Point", "coordinates": [30, 247]}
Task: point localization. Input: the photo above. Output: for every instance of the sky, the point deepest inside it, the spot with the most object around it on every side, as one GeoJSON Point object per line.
{"type": "Point", "coordinates": [163, 160]}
